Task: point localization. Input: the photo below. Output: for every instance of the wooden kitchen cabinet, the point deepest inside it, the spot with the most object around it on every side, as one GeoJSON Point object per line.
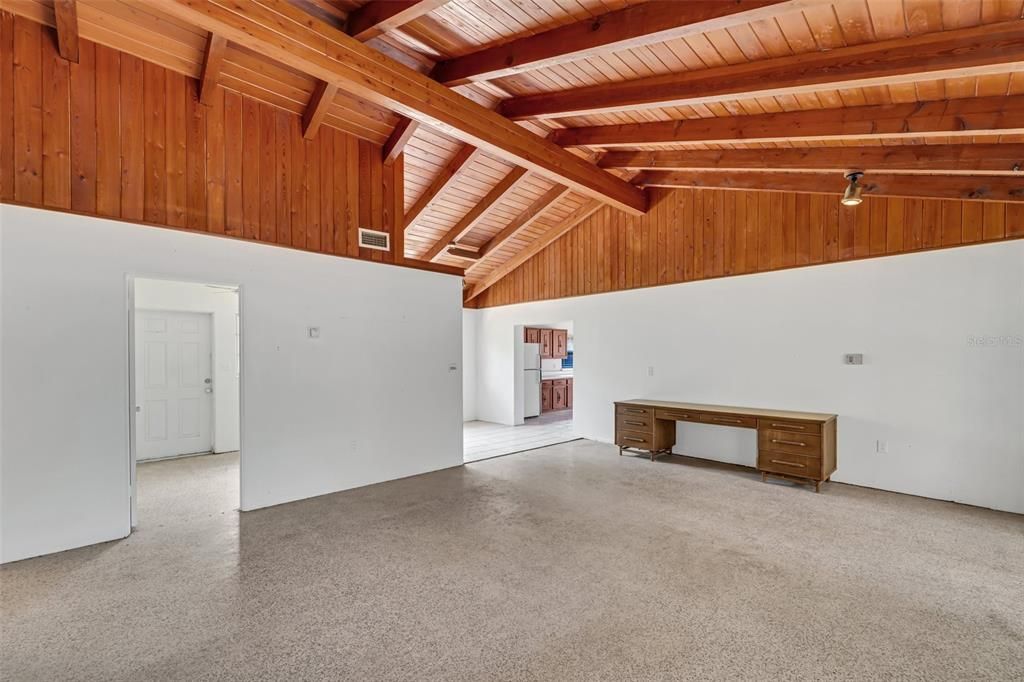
{"type": "Point", "coordinates": [546, 343]}
{"type": "Point", "coordinates": [558, 395]}
{"type": "Point", "coordinates": [568, 393]}
{"type": "Point", "coordinates": [554, 343]}
{"type": "Point", "coordinates": [560, 339]}
{"type": "Point", "coordinates": [545, 395]}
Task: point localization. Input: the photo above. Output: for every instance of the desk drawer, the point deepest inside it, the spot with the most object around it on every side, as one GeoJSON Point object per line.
{"type": "Point", "coordinates": [634, 410]}
{"type": "Point", "coordinates": [635, 439]}
{"type": "Point", "coordinates": [794, 465]}
{"type": "Point", "coordinates": [729, 420]}
{"type": "Point", "coordinates": [631, 422]}
{"type": "Point", "coordinates": [789, 442]}
{"type": "Point", "coordinates": [677, 415]}
{"type": "Point", "coordinates": [785, 425]}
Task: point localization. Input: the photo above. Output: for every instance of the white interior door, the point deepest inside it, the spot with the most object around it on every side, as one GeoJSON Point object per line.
{"type": "Point", "coordinates": [174, 384]}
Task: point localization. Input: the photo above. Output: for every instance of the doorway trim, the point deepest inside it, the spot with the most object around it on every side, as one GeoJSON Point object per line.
{"type": "Point", "coordinates": [131, 432]}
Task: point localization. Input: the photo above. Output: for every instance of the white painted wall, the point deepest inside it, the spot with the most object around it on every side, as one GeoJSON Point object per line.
{"type": "Point", "coordinates": [222, 304]}
{"type": "Point", "coordinates": [952, 411]}
{"type": "Point", "coordinates": [372, 399]}
{"type": "Point", "coordinates": [470, 319]}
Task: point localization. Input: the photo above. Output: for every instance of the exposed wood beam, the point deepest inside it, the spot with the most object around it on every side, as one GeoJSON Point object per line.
{"type": "Point", "coordinates": [380, 16]}
{"type": "Point", "coordinates": [287, 34]}
{"type": "Point", "coordinates": [522, 221]}
{"type": "Point", "coordinates": [216, 47]}
{"type": "Point", "coordinates": [399, 137]}
{"type": "Point", "coordinates": [316, 109]}
{"type": "Point", "coordinates": [476, 214]}
{"type": "Point", "coordinates": [651, 22]}
{"type": "Point", "coordinates": [957, 117]}
{"type": "Point", "coordinates": [536, 246]}
{"type": "Point", "coordinates": [464, 252]}
{"type": "Point", "coordinates": [440, 183]}
{"type": "Point", "coordinates": [976, 51]}
{"type": "Point", "coordinates": [969, 187]}
{"type": "Point", "coordinates": [964, 159]}
{"type": "Point", "coordinates": [66, 17]}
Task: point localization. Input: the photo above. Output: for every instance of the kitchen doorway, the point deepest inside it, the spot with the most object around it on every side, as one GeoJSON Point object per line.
{"type": "Point", "coordinates": [185, 341]}
{"type": "Point", "coordinates": [543, 386]}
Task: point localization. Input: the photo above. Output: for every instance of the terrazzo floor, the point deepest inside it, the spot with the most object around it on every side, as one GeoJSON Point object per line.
{"type": "Point", "coordinates": [563, 563]}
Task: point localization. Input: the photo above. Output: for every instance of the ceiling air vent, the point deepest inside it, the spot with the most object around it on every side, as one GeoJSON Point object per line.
{"type": "Point", "coordinates": [372, 239]}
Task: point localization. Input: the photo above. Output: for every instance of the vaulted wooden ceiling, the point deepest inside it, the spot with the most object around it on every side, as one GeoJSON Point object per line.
{"type": "Point", "coordinates": [607, 97]}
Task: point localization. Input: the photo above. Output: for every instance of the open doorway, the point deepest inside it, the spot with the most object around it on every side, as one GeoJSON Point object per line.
{"type": "Point", "coordinates": [543, 391]}
{"type": "Point", "coordinates": [185, 380]}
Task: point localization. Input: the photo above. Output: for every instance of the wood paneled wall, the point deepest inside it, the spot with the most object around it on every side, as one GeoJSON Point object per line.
{"type": "Point", "coordinates": [118, 137]}
{"type": "Point", "coordinates": [692, 234]}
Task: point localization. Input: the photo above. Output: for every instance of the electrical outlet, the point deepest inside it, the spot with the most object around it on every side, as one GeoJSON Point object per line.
{"type": "Point", "coordinates": [882, 447]}
{"type": "Point", "coordinates": [314, 332]}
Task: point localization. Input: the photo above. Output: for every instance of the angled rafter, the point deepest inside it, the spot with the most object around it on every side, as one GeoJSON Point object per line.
{"type": "Point", "coordinates": [522, 221]}
{"type": "Point", "coordinates": [968, 187]}
{"type": "Point", "coordinates": [1001, 159]}
{"type": "Point", "coordinates": [66, 17]}
{"type": "Point", "coordinates": [380, 16]}
{"type": "Point", "coordinates": [440, 183]}
{"type": "Point", "coordinates": [286, 33]}
{"type": "Point", "coordinates": [216, 47]}
{"type": "Point", "coordinates": [976, 51]}
{"type": "Point", "coordinates": [535, 247]}
{"type": "Point", "coordinates": [619, 30]}
{"type": "Point", "coordinates": [316, 109]}
{"type": "Point", "coordinates": [476, 214]}
{"type": "Point", "coordinates": [956, 117]}
{"type": "Point", "coordinates": [399, 137]}
{"type": "Point", "coordinates": [370, 21]}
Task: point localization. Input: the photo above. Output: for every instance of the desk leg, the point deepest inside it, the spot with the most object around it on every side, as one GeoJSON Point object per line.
{"type": "Point", "coordinates": [764, 477]}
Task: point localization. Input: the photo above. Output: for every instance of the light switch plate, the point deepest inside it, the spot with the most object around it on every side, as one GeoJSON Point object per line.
{"type": "Point", "coordinates": [314, 332]}
{"type": "Point", "coordinates": [853, 359]}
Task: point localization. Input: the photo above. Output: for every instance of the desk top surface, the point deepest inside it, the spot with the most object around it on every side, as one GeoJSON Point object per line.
{"type": "Point", "coordinates": [728, 409]}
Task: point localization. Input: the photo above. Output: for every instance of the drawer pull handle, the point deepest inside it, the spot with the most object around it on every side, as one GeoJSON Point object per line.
{"type": "Point", "coordinates": [726, 419]}
{"type": "Point", "coordinates": [635, 440]}
{"type": "Point", "coordinates": [789, 442]}
{"type": "Point", "coordinates": [790, 426]}
{"type": "Point", "coordinates": [636, 411]}
{"type": "Point", "coordinates": [792, 464]}
{"type": "Point", "coordinates": [634, 423]}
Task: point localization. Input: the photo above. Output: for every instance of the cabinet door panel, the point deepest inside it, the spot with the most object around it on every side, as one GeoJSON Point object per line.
{"type": "Point", "coordinates": [546, 348]}
{"type": "Point", "coordinates": [558, 397]}
{"type": "Point", "coordinates": [532, 335]}
{"type": "Point", "coordinates": [545, 396]}
{"type": "Point", "coordinates": [561, 339]}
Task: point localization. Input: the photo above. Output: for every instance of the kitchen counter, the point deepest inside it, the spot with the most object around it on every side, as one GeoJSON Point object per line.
{"type": "Point", "coordinates": [556, 374]}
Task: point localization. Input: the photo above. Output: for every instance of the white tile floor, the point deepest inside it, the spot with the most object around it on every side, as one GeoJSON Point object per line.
{"type": "Point", "coordinates": [484, 439]}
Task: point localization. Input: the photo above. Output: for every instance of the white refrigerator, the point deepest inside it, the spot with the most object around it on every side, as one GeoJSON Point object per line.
{"type": "Point", "coordinates": [531, 379]}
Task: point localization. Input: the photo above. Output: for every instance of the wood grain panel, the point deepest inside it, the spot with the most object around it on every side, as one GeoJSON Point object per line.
{"type": "Point", "coordinates": [118, 137]}
{"type": "Point", "coordinates": [693, 234]}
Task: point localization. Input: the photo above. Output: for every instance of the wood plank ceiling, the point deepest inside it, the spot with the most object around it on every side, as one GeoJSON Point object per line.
{"type": "Point", "coordinates": [764, 94]}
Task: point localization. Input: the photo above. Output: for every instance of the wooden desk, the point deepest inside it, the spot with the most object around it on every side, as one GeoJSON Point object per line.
{"type": "Point", "coordinates": [799, 446]}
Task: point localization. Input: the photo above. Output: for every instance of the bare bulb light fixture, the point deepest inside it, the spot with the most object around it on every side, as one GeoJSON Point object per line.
{"type": "Point", "coordinates": [852, 196]}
